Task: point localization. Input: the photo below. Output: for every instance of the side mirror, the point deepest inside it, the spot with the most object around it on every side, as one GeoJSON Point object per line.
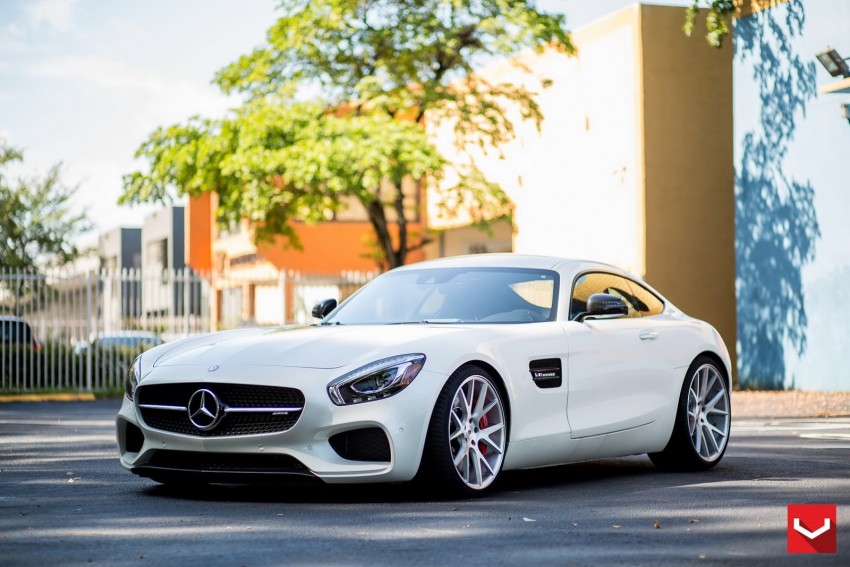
{"type": "Point", "coordinates": [603, 305]}
{"type": "Point", "coordinates": [323, 308]}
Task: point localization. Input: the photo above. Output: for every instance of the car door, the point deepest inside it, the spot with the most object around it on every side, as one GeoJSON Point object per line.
{"type": "Point", "coordinates": [617, 380]}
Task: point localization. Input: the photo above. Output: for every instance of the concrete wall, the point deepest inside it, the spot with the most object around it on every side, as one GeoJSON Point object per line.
{"type": "Point", "coordinates": [120, 249]}
{"type": "Point", "coordinates": [792, 200]}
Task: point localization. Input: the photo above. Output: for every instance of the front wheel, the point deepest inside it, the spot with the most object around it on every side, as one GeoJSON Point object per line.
{"type": "Point", "coordinates": [703, 420]}
{"type": "Point", "coordinates": [467, 435]}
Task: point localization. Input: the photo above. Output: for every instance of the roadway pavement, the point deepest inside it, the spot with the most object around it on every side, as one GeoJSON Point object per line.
{"type": "Point", "coordinates": [65, 500]}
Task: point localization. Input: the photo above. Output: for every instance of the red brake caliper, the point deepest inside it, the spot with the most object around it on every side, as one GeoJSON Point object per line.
{"type": "Point", "coordinates": [482, 424]}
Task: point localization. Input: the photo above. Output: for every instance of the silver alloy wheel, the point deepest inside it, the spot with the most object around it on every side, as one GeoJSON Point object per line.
{"type": "Point", "coordinates": [477, 433]}
{"type": "Point", "coordinates": [708, 412]}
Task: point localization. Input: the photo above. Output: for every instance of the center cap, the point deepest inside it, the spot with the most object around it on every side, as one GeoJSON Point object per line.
{"type": "Point", "coordinates": [205, 410]}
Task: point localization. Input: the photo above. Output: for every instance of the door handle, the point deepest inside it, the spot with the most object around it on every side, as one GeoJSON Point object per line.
{"type": "Point", "coordinates": [648, 335]}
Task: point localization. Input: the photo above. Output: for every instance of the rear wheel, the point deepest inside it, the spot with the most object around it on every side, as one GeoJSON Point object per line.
{"type": "Point", "coordinates": [467, 435]}
{"type": "Point", "coordinates": [703, 420]}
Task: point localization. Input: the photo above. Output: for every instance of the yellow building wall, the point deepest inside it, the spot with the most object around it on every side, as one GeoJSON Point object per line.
{"type": "Point", "coordinates": [689, 172]}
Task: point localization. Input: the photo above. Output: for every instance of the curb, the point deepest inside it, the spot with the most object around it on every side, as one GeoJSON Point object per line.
{"type": "Point", "coordinates": [79, 397]}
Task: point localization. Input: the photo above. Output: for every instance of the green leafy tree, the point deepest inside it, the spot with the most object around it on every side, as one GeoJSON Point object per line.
{"type": "Point", "coordinates": [37, 223]}
{"type": "Point", "coordinates": [378, 67]}
{"type": "Point", "coordinates": [716, 20]}
{"type": "Point", "coordinates": [272, 161]}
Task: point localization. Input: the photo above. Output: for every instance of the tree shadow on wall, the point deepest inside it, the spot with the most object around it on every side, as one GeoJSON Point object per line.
{"type": "Point", "coordinates": [776, 223]}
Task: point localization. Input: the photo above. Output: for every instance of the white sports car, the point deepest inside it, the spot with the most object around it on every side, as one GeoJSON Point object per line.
{"type": "Point", "coordinates": [454, 370]}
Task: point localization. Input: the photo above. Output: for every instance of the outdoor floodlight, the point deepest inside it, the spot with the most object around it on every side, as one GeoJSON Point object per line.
{"type": "Point", "coordinates": [834, 63]}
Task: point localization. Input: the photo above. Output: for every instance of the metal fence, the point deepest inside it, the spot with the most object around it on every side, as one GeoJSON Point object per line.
{"type": "Point", "coordinates": [61, 330]}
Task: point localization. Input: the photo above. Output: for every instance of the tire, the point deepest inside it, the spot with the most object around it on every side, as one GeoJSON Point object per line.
{"type": "Point", "coordinates": [703, 420]}
{"type": "Point", "coordinates": [467, 436]}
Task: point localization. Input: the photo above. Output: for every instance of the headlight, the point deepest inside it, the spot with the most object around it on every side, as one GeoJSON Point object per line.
{"type": "Point", "coordinates": [380, 379]}
{"type": "Point", "coordinates": [132, 379]}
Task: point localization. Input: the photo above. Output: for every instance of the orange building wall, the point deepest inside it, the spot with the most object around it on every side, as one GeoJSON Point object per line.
{"type": "Point", "coordinates": [198, 232]}
{"type": "Point", "coordinates": [329, 247]}
{"type": "Point", "coordinates": [326, 247]}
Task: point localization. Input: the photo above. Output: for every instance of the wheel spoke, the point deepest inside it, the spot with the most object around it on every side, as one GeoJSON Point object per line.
{"type": "Point", "coordinates": [486, 464]}
{"type": "Point", "coordinates": [479, 402]}
{"type": "Point", "coordinates": [707, 433]}
{"type": "Point", "coordinates": [710, 405]}
{"type": "Point", "coordinates": [477, 462]}
{"type": "Point", "coordinates": [710, 384]}
{"type": "Point", "coordinates": [465, 401]}
{"type": "Point", "coordinates": [698, 439]}
{"type": "Point", "coordinates": [491, 444]}
{"type": "Point", "coordinates": [703, 378]}
{"type": "Point", "coordinates": [487, 432]}
{"type": "Point", "coordinates": [714, 429]}
{"type": "Point", "coordinates": [461, 453]}
{"type": "Point", "coordinates": [488, 407]}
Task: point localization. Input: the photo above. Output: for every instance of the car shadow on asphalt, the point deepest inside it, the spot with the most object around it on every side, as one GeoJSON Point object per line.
{"type": "Point", "coordinates": [578, 475]}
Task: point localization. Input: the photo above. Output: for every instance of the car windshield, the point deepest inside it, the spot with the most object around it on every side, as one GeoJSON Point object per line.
{"type": "Point", "coordinates": [452, 295]}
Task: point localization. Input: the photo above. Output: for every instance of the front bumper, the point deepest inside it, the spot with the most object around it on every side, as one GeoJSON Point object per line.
{"type": "Point", "coordinates": [303, 450]}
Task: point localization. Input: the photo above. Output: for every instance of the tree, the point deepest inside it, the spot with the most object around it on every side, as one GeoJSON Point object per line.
{"type": "Point", "coordinates": [273, 160]}
{"type": "Point", "coordinates": [716, 21]}
{"type": "Point", "coordinates": [378, 68]}
{"type": "Point", "coordinates": [37, 225]}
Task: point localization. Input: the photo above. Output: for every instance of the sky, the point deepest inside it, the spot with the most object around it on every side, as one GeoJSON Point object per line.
{"type": "Point", "coordinates": [84, 82]}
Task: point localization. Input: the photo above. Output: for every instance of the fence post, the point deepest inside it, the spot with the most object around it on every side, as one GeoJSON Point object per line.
{"type": "Point", "coordinates": [282, 285]}
{"type": "Point", "coordinates": [89, 332]}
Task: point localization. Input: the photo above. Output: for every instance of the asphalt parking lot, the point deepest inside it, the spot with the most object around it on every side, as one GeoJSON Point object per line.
{"type": "Point", "coordinates": [65, 500]}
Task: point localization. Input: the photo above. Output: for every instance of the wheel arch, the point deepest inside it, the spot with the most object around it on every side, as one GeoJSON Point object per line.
{"type": "Point", "coordinates": [721, 364]}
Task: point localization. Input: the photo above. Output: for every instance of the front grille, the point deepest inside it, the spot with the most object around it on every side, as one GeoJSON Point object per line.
{"type": "Point", "coordinates": [263, 402]}
{"type": "Point", "coordinates": [368, 444]}
{"type": "Point", "coordinates": [189, 461]}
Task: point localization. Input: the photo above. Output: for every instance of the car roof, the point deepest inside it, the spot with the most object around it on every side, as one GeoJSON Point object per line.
{"type": "Point", "coordinates": [497, 260]}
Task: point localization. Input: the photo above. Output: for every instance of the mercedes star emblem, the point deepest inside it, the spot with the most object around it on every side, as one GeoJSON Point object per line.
{"type": "Point", "coordinates": [205, 410]}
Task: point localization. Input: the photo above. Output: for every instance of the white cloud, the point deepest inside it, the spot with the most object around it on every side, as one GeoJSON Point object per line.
{"type": "Point", "coordinates": [56, 15]}
{"type": "Point", "coordinates": [163, 98]}
{"type": "Point", "coordinates": [12, 40]}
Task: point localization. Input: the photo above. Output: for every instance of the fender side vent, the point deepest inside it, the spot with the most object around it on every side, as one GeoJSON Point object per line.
{"type": "Point", "coordinates": [546, 372]}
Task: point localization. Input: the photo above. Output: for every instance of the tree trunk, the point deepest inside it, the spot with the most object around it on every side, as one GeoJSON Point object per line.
{"type": "Point", "coordinates": [401, 221]}
{"type": "Point", "coordinates": [378, 218]}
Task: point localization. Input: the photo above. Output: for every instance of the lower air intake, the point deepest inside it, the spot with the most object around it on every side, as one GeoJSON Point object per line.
{"type": "Point", "coordinates": [367, 444]}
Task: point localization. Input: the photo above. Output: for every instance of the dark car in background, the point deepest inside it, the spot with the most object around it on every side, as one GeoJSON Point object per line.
{"type": "Point", "coordinates": [16, 331]}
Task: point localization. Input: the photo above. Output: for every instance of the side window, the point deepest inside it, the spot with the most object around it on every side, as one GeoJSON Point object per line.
{"type": "Point", "coordinates": [600, 282]}
{"type": "Point", "coordinates": [645, 301]}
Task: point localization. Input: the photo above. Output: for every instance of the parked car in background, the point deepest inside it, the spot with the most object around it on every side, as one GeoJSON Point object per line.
{"type": "Point", "coordinates": [16, 331]}
{"type": "Point", "coordinates": [120, 339]}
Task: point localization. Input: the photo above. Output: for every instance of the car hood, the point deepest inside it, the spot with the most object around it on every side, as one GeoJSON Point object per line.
{"type": "Point", "coordinates": [311, 347]}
